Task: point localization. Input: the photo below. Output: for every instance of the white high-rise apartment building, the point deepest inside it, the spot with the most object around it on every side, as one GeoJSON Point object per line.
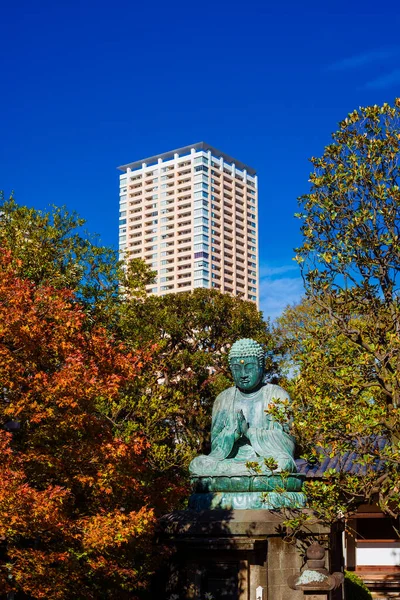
{"type": "Point", "coordinates": [191, 214]}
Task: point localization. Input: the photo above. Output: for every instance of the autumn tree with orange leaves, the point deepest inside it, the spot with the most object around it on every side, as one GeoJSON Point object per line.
{"type": "Point", "coordinates": [75, 516]}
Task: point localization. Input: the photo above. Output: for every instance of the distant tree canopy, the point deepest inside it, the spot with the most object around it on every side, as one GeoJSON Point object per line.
{"type": "Point", "coordinates": [344, 338]}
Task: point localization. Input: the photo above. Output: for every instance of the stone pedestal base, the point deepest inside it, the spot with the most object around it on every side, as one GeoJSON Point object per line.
{"type": "Point", "coordinates": [267, 492]}
{"type": "Point", "coordinates": [231, 555]}
{"type": "Point", "coordinates": [246, 500]}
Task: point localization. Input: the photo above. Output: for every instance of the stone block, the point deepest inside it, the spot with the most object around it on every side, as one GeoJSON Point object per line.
{"type": "Point", "coordinates": [288, 594]}
{"type": "Point", "coordinates": [278, 578]}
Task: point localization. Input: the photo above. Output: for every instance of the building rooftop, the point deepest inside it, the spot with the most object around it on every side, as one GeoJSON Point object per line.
{"type": "Point", "coordinates": [185, 151]}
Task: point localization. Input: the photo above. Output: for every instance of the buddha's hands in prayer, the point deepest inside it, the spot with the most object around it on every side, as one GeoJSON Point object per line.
{"type": "Point", "coordinates": [241, 423]}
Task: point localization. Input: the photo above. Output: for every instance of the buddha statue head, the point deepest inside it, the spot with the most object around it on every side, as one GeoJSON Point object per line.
{"type": "Point", "coordinates": [246, 361]}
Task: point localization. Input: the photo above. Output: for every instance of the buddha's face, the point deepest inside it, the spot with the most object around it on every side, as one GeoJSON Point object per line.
{"type": "Point", "coordinates": [247, 373]}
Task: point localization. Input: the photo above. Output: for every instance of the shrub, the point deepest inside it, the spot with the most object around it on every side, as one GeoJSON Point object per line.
{"type": "Point", "coordinates": [355, 588]}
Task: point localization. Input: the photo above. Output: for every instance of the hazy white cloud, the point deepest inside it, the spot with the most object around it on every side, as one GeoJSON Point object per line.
{"type": "Point", "coordinates": [384, 81]}
{"type": "Point", "coordinates": [364, 58]}
{"type": "Point", "coordinates": [277, 292]}
{"type": "Point", "coordinates": [266, 271]}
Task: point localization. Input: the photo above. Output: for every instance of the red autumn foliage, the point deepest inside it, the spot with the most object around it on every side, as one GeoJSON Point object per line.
{"type": "Point", "coordinates": [75, 499]}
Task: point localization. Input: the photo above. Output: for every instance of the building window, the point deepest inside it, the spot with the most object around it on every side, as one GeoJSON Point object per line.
{"type": "Point", "coordinates": [198, 195]}
{"type": "Point", "coordinates": [201, 212]}
{"type": "Point", "coordinates": [200, 204]}
{"type": "Point", "coordinates": [201, 229]}
{"type": "Point", "coordinates": [200, 248]}
{"type": "Point", "coordinates": [201, 178]}
{"type": "Point", "coordinates": [201, 263]}
{"type": "Point", "coordinates": [201, 238]}
{"type": "Point", "coordinates": [200, 221]}
{"type": "Point", "coordinates": [198, 283]}
{"type": "Point", "coordinates": [200, 159]}
{"type": "Point", "coordinates": [200, 186]}
{"type": "Point", "coordinates": [203, 273]}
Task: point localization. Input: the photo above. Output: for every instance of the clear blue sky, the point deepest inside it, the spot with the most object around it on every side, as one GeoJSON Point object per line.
{"type": "Point", "coordinates": [87, 86]}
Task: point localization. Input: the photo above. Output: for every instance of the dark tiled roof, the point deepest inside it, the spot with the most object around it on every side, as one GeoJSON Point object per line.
{"type": "Point", "coordinates": [347, 463]}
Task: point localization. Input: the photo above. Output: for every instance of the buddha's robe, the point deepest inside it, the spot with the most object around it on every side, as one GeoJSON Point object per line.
{"type": "Point", "coordinates": [265, 437]}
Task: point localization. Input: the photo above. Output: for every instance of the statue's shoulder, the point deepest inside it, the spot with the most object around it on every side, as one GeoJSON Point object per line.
{"type": "Point", "coordinates": [222, 402]}
{"type": "Point", "coordinates": [271, 391]}
{"type": "Point", "coordinates": [225, 395]}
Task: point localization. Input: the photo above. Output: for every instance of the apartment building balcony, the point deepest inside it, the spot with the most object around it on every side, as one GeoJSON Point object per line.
{"type": "Point", "coordinates": [184, 172]}
{"type": "Point", "coordinates": [184, 215]}
{"type": "Point", "coordinates": [183, 223]}
{"type": "Point", "coordinates": [187, 275]}
{"type": "Point", "coordinates": [183, 232]}
{"type": "Point", "coordinates": [185, 197]}
{"type": "Point", "coordinates": [185, 249]}
{"type": "Point", "coordinates": [185, 205]}
{"type": "Point", "coordinates": [135, 202]}
{"type": "Point", "coordinates": [184, 267]}
{"type": "Point", "coordinates": [180, 258]}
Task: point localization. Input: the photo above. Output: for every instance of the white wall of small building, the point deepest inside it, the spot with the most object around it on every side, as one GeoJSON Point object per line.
{"type": "Point", "coordinates": [378, 554]}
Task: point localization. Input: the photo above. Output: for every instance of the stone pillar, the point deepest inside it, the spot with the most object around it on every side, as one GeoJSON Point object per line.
{"type": "Point", "coordinates": [283, 561]}
{"type": "Point", "coordinates": [232, 555]}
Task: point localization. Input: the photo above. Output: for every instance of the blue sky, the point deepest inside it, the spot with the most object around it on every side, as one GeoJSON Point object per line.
{"type": "Point", "coordinates": [87, 86]}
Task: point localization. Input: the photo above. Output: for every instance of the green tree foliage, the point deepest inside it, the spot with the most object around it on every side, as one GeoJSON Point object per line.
{"type": "Point", "coordinates": [336, 411]}
{"type": "Point", "coordinates": [344, 338]}
{"type": "Point", "coordinates": [350, 257]}
{"type": "Point", "coordinates": [51, 248]}
{"type": "Point", "coordinates": [193, 333]}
